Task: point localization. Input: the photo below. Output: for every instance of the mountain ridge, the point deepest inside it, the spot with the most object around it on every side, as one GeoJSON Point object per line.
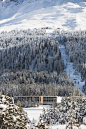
{"type": "Point", "coordinates": [68, 14]}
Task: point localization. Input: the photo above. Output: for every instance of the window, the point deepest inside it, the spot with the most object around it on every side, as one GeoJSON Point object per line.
{"type": "Point", "coordinates": [40, 98]}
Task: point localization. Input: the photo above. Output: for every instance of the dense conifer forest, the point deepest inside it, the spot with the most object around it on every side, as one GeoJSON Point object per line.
{"type": "Point", "coordinates": [31, 64]}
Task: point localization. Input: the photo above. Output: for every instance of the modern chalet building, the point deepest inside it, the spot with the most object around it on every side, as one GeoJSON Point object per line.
{"type": "Point", "coordinates": [39, 99]}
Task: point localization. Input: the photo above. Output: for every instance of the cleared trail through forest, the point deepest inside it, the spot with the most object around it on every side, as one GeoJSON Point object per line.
{"type": "Point", "coordinates": [75, 76]}
{"type": "Point", "coordinates": [69, 68]}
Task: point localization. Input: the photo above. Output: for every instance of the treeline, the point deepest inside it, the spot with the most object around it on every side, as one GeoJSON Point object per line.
{"type": "Point", "coordinates": [75, 44]}
{"type": "Point", "coordinates": [28, 83]}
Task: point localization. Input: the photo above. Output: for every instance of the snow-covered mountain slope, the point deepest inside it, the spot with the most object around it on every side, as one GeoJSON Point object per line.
{"type": "Point", "coordinates": [23, 14]}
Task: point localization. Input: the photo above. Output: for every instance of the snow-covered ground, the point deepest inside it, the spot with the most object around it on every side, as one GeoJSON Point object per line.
{"type": "Point", "coordinates": [35, 112]}
{"type": "Point", "coordinates": [64, 127]}
{"type": "Point", "coordinates": [65, 14]}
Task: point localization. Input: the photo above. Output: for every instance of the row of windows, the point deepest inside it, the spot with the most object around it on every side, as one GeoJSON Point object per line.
{"type": "Point", "coordinates": [25, 99]}
{"type": "Point", "coordinates": [48, 99]}
{"type": "Point", "coordinates": [45, 99]}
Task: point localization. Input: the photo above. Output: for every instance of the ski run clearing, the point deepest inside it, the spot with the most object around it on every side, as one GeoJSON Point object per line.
{"type": "Point", "coordinates": [74, 75]}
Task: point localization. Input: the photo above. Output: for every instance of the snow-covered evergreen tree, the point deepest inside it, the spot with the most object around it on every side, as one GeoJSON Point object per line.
{"type": "Point", "coordinates": [68, 112]}
{"type": "Point", "coordinates": [11, 116]}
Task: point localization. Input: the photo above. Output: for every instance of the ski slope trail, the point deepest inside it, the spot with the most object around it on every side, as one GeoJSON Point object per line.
{"type": "Point", "coordinates": [69, 68]}
{"type": "Point", "coordinates": [74, 75]}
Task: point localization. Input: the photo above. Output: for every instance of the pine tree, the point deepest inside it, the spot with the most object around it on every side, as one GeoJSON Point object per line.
{"type": "Point", "coordinates": [72, 120]}
{"type": "Point", "coordinates": [41, 124]}
{"type": "Point", "coordinates": [11, 116]}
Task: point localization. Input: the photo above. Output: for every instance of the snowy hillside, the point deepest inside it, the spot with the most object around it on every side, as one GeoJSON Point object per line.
{"type": "Point", "coordinates": [65, 14]}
